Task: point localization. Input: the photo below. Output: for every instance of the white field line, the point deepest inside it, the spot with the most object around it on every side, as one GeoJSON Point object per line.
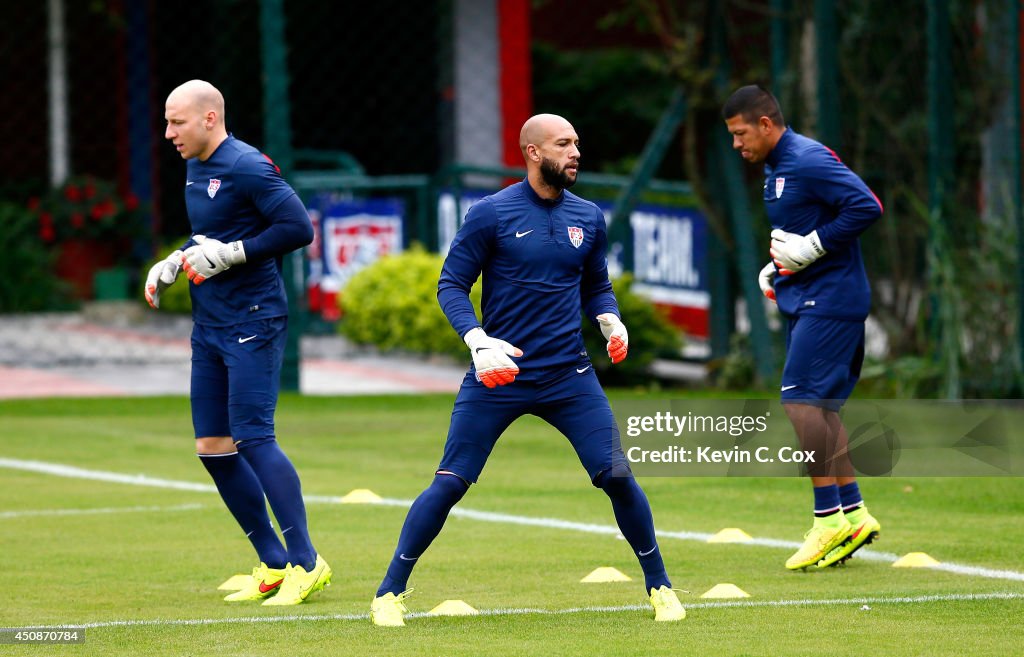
{"type": "Point", "coordinates": [523, 611]}
{"type": "Point", "coordinates": [4, 515]}
{"type": "Point", "coordinates": [61, 470]}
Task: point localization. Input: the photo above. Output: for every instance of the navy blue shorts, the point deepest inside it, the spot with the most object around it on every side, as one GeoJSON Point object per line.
{"type": "Point", "coordinates": [823, 360]}
{"type": "Point", "coordinates": [236, 375]}
{"type": "Point", "coordinates": [573, 403]}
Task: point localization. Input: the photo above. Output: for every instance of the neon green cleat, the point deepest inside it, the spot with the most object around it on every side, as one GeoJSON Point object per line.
{"type": "Point", "coordinates": [818, 542]}
{"type": "Point", "coordinates": [265, 582]}
{"type": "Point", "coordinates": [299, 585]}
{"type": "Point", "coordinates": [389, 610]}
{"type": "Point", "coordinates": [666, 605]}
{"type": "Point", "coordinates": [865, 530]}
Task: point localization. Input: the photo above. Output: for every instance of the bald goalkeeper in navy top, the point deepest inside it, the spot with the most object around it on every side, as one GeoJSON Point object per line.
{"type": "Point", "coordinates": [244, 218]}
{"type": "Point", "coordinates": [541, 252]}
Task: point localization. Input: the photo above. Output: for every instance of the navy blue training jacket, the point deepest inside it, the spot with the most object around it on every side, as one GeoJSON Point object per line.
{"type": "Point", "coordinates": [808, 188]}
{"type": "Point", "coordinates": [239, 194]}
{"type": "Point", "coordinates": [542, 261]}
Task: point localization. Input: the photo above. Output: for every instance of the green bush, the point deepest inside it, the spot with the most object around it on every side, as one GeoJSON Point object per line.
{"type": "Point", "coordinates": [651, 336]}
{"type": "Point", "coordinates": [392, 304]}
{"type": "Point", "coordinates": [176, 298]}
{"type": "Point", "coordinates": [27, 279]}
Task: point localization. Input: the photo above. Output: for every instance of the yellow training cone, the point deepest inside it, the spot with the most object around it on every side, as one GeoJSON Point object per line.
{"type": "Point", "coordinates": [725, 591]}
{"type": "Point", "coordinates": [235, 583]}
{"type": "Point", "coordinates": [605, 574]}
{"type": "Point", "coordinates": [361, 496]}
{"type": "Point", "coordinates": [453, 608]}
{"type": "Point", "coordinates": [730, 535]}
{"type": "Point", "coordinates": [915, 560]}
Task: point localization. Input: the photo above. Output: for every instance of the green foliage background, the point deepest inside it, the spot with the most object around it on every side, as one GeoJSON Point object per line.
{"type": "Point", "coordinates": [27, 281]}
{"type": "Point", "coordinates": [392, 304]}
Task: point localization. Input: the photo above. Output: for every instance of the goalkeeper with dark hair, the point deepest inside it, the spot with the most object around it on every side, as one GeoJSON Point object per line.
{"type": "Point", "coordinates": [817, 208]}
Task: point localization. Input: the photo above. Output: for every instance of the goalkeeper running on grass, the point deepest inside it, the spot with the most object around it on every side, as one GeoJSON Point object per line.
{"type": "Point", "coordinates": [542, 253]}
{"type": "Point", "coordinates": [817, 208]}
{"type": "Point", "coordinates": [244, 217]}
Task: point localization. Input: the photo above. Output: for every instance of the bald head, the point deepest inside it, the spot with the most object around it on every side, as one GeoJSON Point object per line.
{"type": "Point", "coordinates": [195, 119]}
{"type": "Point", "coordinates": [539, 128]}
{"type": "Point", "coordinates": [198, 95]}
{"type": "Point", "coordinates": [550, 147]}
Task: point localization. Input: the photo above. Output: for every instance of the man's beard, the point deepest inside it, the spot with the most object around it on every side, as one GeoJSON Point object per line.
{"type": "Point", "coordinates": [554, 176]}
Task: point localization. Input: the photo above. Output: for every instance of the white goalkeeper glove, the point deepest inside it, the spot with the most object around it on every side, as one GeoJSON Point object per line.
{"type": "Point", "coordinates": [210, 257]}
{"type": "Point", "coordinates": [162, 275]}
{"type": "Point", "coordinates": [793, 253]}
{"type": "Point", "coordinates": [766, 280]}
{"type": "Point", "coordinates": [491, 358]}
{"type": "Point", "coordinates": [615, 333]}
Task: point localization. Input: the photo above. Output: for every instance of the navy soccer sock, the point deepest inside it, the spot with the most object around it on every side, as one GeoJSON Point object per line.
{"type": "Point", "coordinates": [827, 506]}
{"type": "Point", "coordinates": [422, 525]}
{"type": "Point", "coordinates": [243, 495]}
{"type": "Point", "coordinates": [850, 497]}
{"type": "Point", "coordinates": [633, 515]}
{"type": "Point", "coordinates": [281, 483]}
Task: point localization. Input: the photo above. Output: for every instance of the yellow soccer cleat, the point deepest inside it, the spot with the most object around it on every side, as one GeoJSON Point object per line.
{"type": "Point", "coordinates": [865, 530]}
{"type": "Point", "coordinates": [265, 582]}
{"type": "Point", "coordinates": [666, 605]}
{"type": "Point", "coordinates": [389, 609]}
{"type": "Point", "coordinates": [299, 585]}
{"type": "Point", "coordinates": [819, 541]}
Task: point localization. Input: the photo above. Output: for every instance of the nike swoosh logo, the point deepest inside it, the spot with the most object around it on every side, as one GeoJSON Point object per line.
{"type": "Point", "coordinates": [244, 340]}
{"type": "Point", "coordinates": [189, 182]}
{"type": "Point", "coordinates": [644, 554]}
{"type": "Point", "coordinates": [264, 588]}
{"type": "Point", "coordinates": [518, 234]}
{"type": "Point", "coordinates": [785, 388]}
{"type": "Point", "coordinates": [579, 371]}
{"type": "Point", "coordinates": [405, 558]}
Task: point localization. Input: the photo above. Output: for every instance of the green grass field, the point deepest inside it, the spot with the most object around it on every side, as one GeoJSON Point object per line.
{"type": "Point", "coordinates": [139, 564]}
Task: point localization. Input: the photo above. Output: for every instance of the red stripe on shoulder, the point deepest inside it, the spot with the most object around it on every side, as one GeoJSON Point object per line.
{"type": "Point", "coordinates": [276, 168]}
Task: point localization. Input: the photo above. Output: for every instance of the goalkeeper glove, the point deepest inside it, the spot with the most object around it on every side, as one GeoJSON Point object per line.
{"type": "Point", "coordinates": [793, 253]}
{"type": "Point", "coordinates": [614, 332]}
{"type": "Point", "coordinates": [162, 275]}
{"type": "Point", "coordinates": [491, 358]}
{"type": "Point", "coordinates": [766, 279]}
{"type": "Point", "coordinates": [210, 257]}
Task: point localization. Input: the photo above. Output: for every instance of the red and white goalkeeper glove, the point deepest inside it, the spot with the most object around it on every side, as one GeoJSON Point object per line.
{"type": "Point", "coordinates": [615, 333]}
{"type": "Point", "coordinates": [491, 358]}
{"type": "Point", "coordinates": [210, 257]}
{"type": "Point", "coordinates": [793, 253]}
{"type": "Point", "coordinates": [162, 275]}
{"type": "Point", "coordinates": [766, 280]}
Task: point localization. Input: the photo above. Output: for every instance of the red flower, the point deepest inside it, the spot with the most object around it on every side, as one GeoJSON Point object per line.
{"type": "Point", "coordinates": [77, 220]}
{"type": "Point", "coordinates": [131, 201]}
{"type": "Point", "coordinates": [90, 190]}
{"type": "Point", "coordinates": [72, 193]}
{"type": "Point", "coordinates": [47, 233]}
{"type": "Point", "coordinates": [33, 203]}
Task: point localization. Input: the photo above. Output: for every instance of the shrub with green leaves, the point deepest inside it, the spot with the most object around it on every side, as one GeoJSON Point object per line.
{"type": "Point", "coordinates": [27, 267]}
{"type": "Point", "coordinates": [392, 304]}
{"type": "Point", "coordinates": [651, 336]}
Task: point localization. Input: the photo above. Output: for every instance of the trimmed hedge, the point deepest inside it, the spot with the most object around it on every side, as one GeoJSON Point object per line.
{"type": "Point", "coordinates": [392, 304]}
